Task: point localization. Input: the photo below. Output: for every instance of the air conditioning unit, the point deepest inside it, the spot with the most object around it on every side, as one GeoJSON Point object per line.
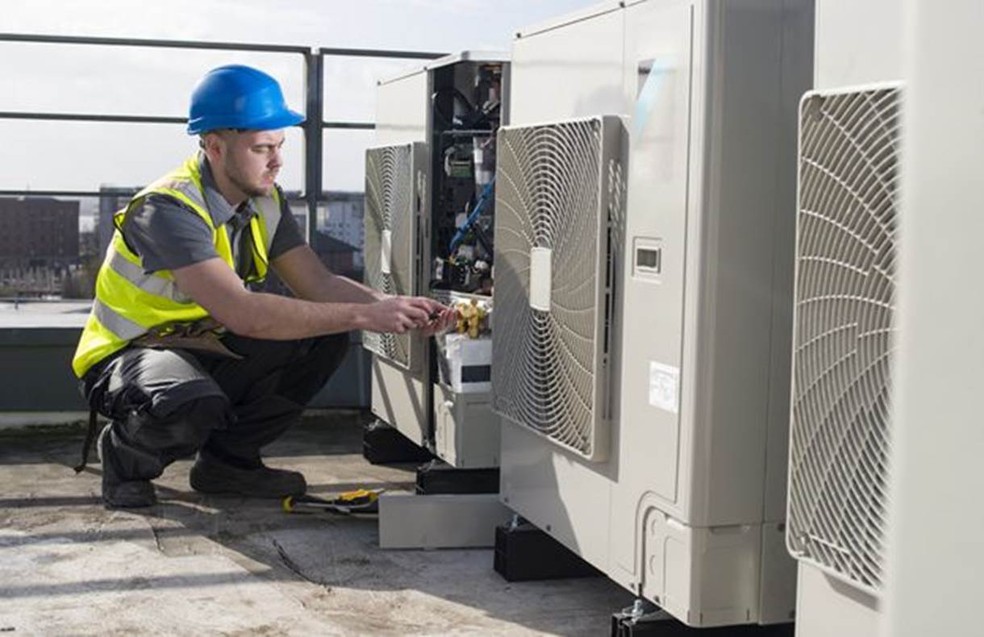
{"type": "Point", "coordinates": [645, 229]}
{"type": "Point", "coordinates": [849, 164]}
{"type": "Point", "coordinates": [428, 228]}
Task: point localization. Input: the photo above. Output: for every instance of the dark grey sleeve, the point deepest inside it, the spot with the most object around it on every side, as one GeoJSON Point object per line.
{"type": "Point", "coordinates": [167, 234]}
{"type": "Point", "coordinates": [287, 235]}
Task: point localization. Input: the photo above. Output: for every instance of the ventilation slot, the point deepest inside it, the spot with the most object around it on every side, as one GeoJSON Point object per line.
{"type": "Point", "coordinates": [390, 234]}
{"type": "Point", "coordinates": [844, 331]}
{"type": "Point", "coordinates": [556, 199]}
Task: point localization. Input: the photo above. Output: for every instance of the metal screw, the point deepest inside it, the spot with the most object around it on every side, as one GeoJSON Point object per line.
{"type": "Point", "coordinates": [815, 107]}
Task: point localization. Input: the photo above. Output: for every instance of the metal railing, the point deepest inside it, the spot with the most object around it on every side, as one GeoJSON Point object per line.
{"type": "Point", "coordinates": [313, 126]}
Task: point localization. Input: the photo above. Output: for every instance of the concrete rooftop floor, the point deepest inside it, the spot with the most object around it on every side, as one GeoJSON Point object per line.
{"type": "Point", "coordinates": [196, 565]}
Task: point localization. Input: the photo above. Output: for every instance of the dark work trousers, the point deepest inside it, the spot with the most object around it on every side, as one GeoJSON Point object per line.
{"type": "Point", "coordinates": [167, 404]}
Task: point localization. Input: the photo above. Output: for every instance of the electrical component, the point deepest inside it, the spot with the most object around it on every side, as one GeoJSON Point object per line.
{"type": "Point", "coordinates": [467, 116]}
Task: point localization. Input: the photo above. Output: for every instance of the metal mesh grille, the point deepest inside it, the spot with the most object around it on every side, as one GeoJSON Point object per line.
{"type": "Point", "coordinates": [554, 191]}
{"type": "Point", "coordinates": [844, 331]}
{"type": "Point", "coordinates": [390, 199]}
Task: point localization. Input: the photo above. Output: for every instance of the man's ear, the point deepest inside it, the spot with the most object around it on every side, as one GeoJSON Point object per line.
{"type": "Point", "coordinates": [211, 143]}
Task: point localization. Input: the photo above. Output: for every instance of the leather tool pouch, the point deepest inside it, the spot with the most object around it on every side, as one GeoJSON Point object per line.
{"type": "Point", "coordinates": [202, 336]}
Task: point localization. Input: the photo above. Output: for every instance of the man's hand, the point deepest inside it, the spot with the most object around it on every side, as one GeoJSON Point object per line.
{"type": "Point", "coordinates": [440, 321]}
{"type": "Point", "coordinates": [398, 314]}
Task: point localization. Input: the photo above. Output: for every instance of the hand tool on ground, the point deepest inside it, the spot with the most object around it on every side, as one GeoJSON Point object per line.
{"type": "Point", "coordinates": [356, 501]}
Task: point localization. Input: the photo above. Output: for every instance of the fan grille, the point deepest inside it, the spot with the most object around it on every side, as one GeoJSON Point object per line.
{"type": "Point", "coordinates": [555, 190]}
{"type": "Point", "coordinates": [390, 199]}
{"type": "Point", "coordinates": [844, 331]}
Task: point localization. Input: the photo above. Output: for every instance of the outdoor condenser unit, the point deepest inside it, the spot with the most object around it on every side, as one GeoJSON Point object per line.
{"type": "Point", "coordinates": [428, 218]}
{"type": "Point", "coordinates": [645, 231]}
{"type": "Point", "coordinates": [849, 164]}
{"type": "Point", "coordinates": [396, 201]}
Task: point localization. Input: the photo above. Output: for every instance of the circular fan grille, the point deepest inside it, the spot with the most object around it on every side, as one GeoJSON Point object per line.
{"type": "Point", "coordinates": [844, 331]}
{"type": "Point", "coordinates": [389, 209]}
{"type": "Point", "coordinates": [545, 368]}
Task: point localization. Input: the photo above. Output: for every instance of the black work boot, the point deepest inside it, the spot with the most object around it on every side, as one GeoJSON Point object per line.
{"type": "Point", "coordinates": [210, 474]}
{"type": "Point", "coordinates": [117, 492]}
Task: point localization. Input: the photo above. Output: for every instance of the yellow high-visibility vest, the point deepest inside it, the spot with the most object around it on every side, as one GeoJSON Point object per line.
{"type": "Point", "coordinates": [129, 302]}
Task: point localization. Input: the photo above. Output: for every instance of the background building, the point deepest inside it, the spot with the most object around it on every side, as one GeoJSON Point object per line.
{"type": "Point", "coordinates": [39, 231]}
{"type": "Point", "coordinates": [343, 220]}
{"type": "Point", "coordinates": [337, 240]}
{"type": "Point", "coordinates": [337, 255]}
{"type": "Point", "coordinates": [39, 244]}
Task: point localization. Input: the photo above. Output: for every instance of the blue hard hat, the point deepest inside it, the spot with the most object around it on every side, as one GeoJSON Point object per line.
{"type": "Point", "coordinates": [237, 96]}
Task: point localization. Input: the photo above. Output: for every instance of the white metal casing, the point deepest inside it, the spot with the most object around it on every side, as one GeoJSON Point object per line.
{"type": "Point", "coordinates": [688, 509]}
{"type": "Point", "coordinates": [401, 108]}
{"type": "Point", "coordinates": [401, 397]}
{"type": "Point", "coordinates": [466, 431]}
{"type": "Point", "coordinates": [857, 43]}
{"type": "Point", "coordinates": [833, 608]}
{"type": "Point", "coordinates": [935, 521]}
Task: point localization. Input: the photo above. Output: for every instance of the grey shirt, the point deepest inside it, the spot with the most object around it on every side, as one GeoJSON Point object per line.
{"type": "Point", "coordinates": [167, 234]}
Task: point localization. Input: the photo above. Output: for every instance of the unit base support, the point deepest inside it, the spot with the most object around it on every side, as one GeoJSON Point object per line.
{"type": "Point", "coordinates": [525, 553]}
{"type": "Point", "coordinates": [645, 619]}
{"type": "Point", "coordinates": [383, 444]}
{"type": "Point", "coordinates": [408, 521]}
{"type": "Point", "coordinates": [439, 477]}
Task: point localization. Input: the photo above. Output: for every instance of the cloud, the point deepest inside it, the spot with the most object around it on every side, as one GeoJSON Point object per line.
{"type": "Point", "coordinates": [44, 77]}
{"type": "Point", "coordinates": [446, 6]}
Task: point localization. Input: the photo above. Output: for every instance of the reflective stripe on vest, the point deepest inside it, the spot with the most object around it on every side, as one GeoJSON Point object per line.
{"type": "Point", "coordinates": [115, 323]}
{"type": "Point", "coordinates": [129, 302]}
{"type": "Point", "coordinates": [151, 283]}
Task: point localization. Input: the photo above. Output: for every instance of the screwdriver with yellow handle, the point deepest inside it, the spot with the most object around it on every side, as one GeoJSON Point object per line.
{"type": "Point", "coordinates": [356, 501]}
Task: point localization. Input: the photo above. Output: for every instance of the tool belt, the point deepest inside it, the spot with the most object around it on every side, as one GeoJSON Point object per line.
{"type": "Point", "coordinates": [204, 335]}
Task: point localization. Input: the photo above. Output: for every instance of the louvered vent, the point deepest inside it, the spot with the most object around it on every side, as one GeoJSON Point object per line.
{"type": "Point", "coordinates": [844, 331]}
{"type": "Point", "coordinates": [557, 188]}
{"type": "Point", "coordinates": [392, 198]}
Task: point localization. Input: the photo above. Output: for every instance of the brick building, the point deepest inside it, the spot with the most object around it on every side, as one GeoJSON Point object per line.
{"type": "Point", "coordinates": [39, 231]}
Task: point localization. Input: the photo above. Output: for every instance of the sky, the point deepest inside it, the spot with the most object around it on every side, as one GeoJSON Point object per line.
{"type": "Point", "coordinates": [142, 81]}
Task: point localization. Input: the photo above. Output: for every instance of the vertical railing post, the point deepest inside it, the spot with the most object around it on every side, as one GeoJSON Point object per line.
{"type": "Point", "coordinates": [313, 134]}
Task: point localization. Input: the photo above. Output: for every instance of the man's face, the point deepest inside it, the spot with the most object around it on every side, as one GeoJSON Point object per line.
{"type": "Point", "coordinates": [251, 160]}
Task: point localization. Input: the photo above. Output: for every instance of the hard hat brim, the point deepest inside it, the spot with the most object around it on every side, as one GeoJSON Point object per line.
{"type": "Point", "coordinates": [284, 119]}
